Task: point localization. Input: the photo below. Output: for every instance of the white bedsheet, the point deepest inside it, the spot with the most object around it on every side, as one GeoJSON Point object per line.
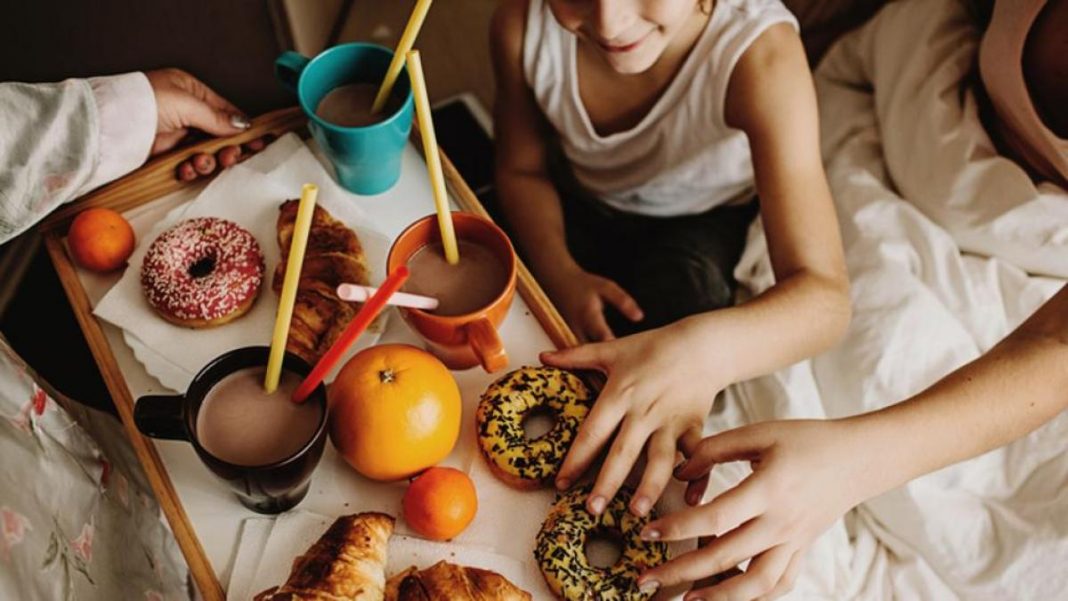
{"type": "Point", "coordinates": [949, 247]}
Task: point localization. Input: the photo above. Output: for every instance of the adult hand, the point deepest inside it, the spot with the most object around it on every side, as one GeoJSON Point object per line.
{"type": "Point", "coordinates": [656, 391]}
{"type": "Point", "coordinates": [204, 164]}
{"type": "Point", "coordinates": [806, 474]}
{"type": "Point", "coordinates": [582, 297]}
{"type": "Point", "coordinates": [184, 102]}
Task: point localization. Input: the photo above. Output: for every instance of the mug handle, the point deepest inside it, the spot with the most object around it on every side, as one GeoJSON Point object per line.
{"type": "Point", "coordinates": [161, 417]}
{"type": "Point", "coordinates": [288, 67]}
{"type": "Point", "coordinates": [487, 345]}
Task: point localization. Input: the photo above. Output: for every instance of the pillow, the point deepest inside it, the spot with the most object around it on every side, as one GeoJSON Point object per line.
{"type": "Point", "coordinates": [823, 21]}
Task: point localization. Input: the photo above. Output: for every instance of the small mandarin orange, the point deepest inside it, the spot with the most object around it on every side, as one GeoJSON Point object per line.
{"type": "Point", "coordinates": [100, 240]}
{"type": "Point", "coordinates": [440, 503]}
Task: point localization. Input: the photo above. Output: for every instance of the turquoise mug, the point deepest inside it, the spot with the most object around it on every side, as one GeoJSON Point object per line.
{"type": "Point", "coordinates": [367, 159]}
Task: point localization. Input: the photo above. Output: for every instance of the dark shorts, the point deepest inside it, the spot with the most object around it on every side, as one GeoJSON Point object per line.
{"type": "Point", "coordinates": [673, 266]}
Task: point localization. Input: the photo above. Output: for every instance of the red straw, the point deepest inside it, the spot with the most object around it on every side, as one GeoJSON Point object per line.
{"type": "Point", "coordinates": [367, 313]}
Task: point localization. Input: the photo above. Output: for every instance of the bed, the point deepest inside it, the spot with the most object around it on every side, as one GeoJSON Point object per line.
{"type": "Point", "coordinates": [949, 247]}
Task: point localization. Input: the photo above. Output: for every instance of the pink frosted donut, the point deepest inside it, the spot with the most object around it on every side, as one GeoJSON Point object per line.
{"type": "Point", "coordinates": [202, 272]}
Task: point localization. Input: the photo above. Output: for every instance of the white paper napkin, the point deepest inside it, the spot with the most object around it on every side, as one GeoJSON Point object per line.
{"type": "Point", "coordinates": [295, 531]}
{"type": "Point", "coordinates": [248, 194]}
{"type": "Point", "coordinates": [254, 534]}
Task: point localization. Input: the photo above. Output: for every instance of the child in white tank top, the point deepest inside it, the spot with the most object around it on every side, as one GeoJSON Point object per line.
{"type": "Point", "coordinates": [632, 137]}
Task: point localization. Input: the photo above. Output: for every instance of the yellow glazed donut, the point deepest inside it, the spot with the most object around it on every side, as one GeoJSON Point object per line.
{"type": "Point", "coordinates": [521, 462]}
{"type": "Point", "coordinates": [561, 549]}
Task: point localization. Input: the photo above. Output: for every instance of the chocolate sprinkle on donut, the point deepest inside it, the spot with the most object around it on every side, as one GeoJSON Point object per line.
{"type": "Point", "coordinates": [561, 555]}
{"type": "Point", "coordinates": [509, 400]}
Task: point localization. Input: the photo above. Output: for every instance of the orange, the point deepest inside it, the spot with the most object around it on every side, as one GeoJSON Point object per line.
{"type": "Point", "coordinates": [440, 503]}
{"type": "Point", "coordinates": [100, 240]}
{"type": "Point", "coordinates": [394, 411]}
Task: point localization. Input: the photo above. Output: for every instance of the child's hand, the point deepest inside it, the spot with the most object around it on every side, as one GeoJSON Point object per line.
{"type": "Point", "coordinates": [806, 475]}
{"type": "Point", "coordinates": [582, 296]}
{"type": "Point", "coordinates": [657, 390]}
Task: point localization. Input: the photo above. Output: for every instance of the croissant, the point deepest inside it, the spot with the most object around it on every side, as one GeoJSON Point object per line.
{"type": "Point", "coordinates": [348, 563]}
{"type": "Point", "coordinates": [333, 256]}
{"type": "Point", "coordinates": [444, 580]}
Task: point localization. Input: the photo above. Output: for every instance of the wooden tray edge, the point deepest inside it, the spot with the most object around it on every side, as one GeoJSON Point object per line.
{"type": "Point", "coordinates": [157, 177]}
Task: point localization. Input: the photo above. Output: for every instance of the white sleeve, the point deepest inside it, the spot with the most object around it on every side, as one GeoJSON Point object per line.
{"type": "Point", "coordinates": [126, 115]}
{"type": "Point", "coordinates": [60, 140]}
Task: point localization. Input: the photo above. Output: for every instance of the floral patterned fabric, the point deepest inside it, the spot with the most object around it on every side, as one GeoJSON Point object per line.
{"type": "Point", "coordinates": [77, 517]}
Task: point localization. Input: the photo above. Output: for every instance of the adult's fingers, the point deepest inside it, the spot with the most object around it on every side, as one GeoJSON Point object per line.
{"type": "Point", "coordinates": [592, 435]}
{"type": "Point", "coordinates": [228, 156]}
{"type": "Point", "coordinates": [256, 145]}
{"type": "Point", "coordinates": [732, 445]}
{"type": "Point", "coordinates": [714, 579]}
{"type": "Point", "coordinates": [194, 112]}
{"type": "Point", "coordinates": [689, 440]}
{"type": "Point", "coordinates": [622, 301]}
{"type": "Point", "coordinates": [167, 140]}
{"type": "Point", "coordinates": [186, 172]}
{"type": "Point", "coordinates": [621, 458]}
{"type": "Point", "coordinates": [720, 515]}
{"type": "Point", "coordinates": [688, 443]}
{"type": "Point", "coordinates": [789, 577]}
{"type": "Point", "coordinates": [204, 163]}
{"type": "Point", "coordinates": [660, 458]}
{"type": "Point", "coordinates": [763, 574]}
{"type": "Point", "coordinates": [695, 490]}
{"type": "Point", "coordinates": [718, 556]}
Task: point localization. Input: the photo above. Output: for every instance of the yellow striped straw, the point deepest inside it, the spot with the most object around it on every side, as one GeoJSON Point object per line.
{"type": "Point", "coordinates": [433, 160]}
{"type": "Point", "coordinates": [288, 298]}
{"type": "Point", "coordinates": [411, 30]}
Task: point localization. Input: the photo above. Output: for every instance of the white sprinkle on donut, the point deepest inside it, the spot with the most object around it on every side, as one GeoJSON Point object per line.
{"type": "Point", "coordinates": [202, 269]}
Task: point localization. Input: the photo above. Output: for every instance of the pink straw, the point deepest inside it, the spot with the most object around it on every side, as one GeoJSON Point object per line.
{"type": "Point", "coordinates": [366, 315]}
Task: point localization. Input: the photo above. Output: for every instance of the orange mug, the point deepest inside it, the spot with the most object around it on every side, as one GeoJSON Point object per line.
{"type": "Point", "coordinates": [461, 341]}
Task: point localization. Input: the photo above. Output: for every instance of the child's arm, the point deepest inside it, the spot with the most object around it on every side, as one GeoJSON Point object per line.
{"type": "Point", "coordinates": [528, 197]}
{"type": "Point", "coordinates": [661, 383]}
{"type": "Point", "coordinates": [806, 474]}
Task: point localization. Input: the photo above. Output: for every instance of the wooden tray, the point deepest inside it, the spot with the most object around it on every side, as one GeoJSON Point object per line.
{"type": "Point", "coordinates": [155, 180]}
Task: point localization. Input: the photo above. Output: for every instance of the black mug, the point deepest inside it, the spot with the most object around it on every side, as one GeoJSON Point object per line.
{"type": "Point", "coordinates": [271, 488]}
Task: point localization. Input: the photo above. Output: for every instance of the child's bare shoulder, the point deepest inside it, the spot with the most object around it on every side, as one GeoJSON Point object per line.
{"type": "Point", "coordinates": [773, 68]}
{"type": "Point", "coordinates": [506, 38]}
{"type": "Point", "coordinates": [776, 45]}
{"type": "Point", "coordinates": [508, 23]}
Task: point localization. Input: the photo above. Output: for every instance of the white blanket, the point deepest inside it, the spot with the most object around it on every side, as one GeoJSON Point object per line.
{"type": "Point", "coordinates": [949, 247]}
